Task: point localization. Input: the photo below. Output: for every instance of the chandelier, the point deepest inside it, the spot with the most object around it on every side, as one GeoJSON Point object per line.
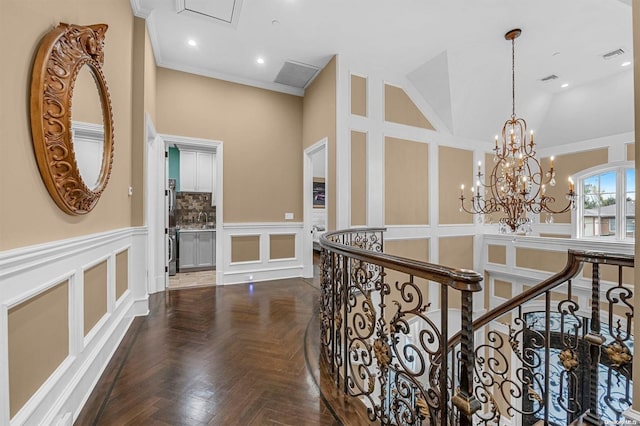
{"type": "Point", "coordinates": [517, 184]}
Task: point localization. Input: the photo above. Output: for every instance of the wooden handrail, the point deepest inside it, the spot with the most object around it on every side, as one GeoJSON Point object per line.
{"type": "Point", "coordinates": [460, 279]}
{"type": "Point", "coordinates": [575, 262]}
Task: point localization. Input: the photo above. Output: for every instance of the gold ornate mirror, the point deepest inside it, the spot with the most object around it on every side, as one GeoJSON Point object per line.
{"type": "Point", "coordinates": [71, 117]}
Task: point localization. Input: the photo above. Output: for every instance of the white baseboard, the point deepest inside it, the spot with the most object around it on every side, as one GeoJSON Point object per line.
{"type": "Point", "coordinates": [264, 268]}
{"type": "Point", "coordinates": [257, 275]}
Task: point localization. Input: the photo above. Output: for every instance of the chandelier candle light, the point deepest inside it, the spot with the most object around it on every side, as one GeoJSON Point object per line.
{"type": "Point", "coordinates": [517, 184]}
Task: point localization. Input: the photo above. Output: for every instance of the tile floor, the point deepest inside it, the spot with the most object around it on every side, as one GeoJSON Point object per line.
{"type": "Point", "coordinates": [192, 279]}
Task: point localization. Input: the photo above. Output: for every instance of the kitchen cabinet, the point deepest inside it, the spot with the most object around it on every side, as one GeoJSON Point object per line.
{"type": "Point", "coordinates": [196, 171]}
{"type": "Point", "coordinates": [196, 249]}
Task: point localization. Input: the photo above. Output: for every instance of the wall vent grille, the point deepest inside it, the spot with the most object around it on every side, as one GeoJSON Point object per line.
{"type": "Point", "coordinates": [296, 74]}
{"type": "Point", "coordinates": [612, 54]}
{"type": "Point", "coordinates": [549, 78]}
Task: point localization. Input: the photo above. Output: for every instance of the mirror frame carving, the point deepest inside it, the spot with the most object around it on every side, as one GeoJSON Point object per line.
{"type": "Point", "coordinates": [61, 54]}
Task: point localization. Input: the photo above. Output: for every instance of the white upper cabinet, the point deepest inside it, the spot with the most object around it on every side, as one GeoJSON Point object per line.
{"type": "Point", "coordinates": [197, 171]}
{"type": "Point", "coordinates": [204, 172]}
{"type": "Point", "coordinates": [188, 161]}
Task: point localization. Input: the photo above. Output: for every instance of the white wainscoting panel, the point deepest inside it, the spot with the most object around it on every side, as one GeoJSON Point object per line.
{"type": "Point", "coordinates": [262, 269]}
{"type": "Point", "coordinates": [520, 277]}
{"type": "Point", "coordinates": [27, 272]}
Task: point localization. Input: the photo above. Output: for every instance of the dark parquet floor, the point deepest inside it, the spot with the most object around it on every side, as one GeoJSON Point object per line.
{"type": "Point", "coordinates": [226, 355]}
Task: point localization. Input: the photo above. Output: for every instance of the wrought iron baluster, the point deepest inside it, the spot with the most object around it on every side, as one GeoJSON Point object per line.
{"type": "Point", "coordinates": [547, 354]}
{"type": "Point", "coordinates": [464, 399]}
{"type": "Point", "coordinates": [346, 289]}
{"type": "Point", "coordinates": [444, 393]}
{"type": "Point", "coordinates": [595, 340]}
{"type": "Point", "coordinates": [333, 312]}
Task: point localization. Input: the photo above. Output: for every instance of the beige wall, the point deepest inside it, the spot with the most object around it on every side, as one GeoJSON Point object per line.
{"type": "Point", "coordinates": [358, 178]}
{"type": "Point", "coordinates": [497, 254]}
{"type": "Point", "coordinates": [406, 192]}
{"type": "Point", "coordinates": [282, 246]}
{"type": "Point", "coordinates": [358, 95]}
{"type": "Point", "coordinates": [565, 166]}
{"type": "Point", "coordinates": [503, 289]}
{"type": "Point", "coordinates": [542, 260]}
{"type": "Point", "coordinates": [143, 102]}
{"type": "Point", "coordinates": [38, 342]}
{"type": "Point", "coordinates": [122, 273]}
{"type": "Point", "coordinates": [28, 215]}
{"type": "Point", "coordinates": [95, 295]}
{"type": "Point", "coordinates": [460, 161]}
{"type": "Point", "coordinates": [631, 151]}
{"type": "Point", "coordinates": [245, 248]}
{"type": "Point", "coordinates": [261, 131]}
{"type": "Point", "coordinates": [417, 248]}
{"type": "Point", "coordinates": [399, 108]}
{"type": "Point", "coordinates": [318, 122]}
{"type": "Point", "coordinates": [456, 252]}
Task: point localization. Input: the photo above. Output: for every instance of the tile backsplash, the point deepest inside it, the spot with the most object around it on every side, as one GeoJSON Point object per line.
{"type": "Point", "coordinates": [189, 205]}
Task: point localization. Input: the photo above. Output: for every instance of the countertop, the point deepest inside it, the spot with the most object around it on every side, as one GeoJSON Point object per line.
{"type": "Point", "coordinates": [196, 229]}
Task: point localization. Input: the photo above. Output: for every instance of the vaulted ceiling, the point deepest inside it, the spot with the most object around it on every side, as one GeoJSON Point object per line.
{"type": "Point", "coordinates": [453, 52]}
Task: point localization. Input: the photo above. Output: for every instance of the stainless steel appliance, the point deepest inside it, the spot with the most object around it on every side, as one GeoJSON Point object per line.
{"type": "Point", "coordinates": [173, 242]}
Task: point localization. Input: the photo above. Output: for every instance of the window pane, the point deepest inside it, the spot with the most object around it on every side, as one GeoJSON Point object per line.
{"type": "Point", "coordinates": [608, 182]}
{"type": "Point", "coordinates": [630, 204]}
{"type": "Point", "coordinates": [599, 214]}
{"type": "Point", "coordinates": [631, 180]}
{"type": "Point", "coordinates": [590, 189]}
{"type": "Point", "coordinates": [631, 227]}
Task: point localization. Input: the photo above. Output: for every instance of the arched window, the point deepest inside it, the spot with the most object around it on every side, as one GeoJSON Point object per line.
{"type": "Point", "coordinates": [606, 203]}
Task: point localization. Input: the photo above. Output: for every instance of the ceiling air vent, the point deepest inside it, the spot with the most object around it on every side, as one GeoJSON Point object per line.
{"type": "Point", "coordinates": [296, 74]}
{"type": "Point", "coordinates": [549, 78]}
{"type": "Point", "coordinates": [612, 54]}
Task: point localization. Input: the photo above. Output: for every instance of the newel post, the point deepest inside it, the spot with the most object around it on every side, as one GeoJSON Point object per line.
{"type": "Point", "coordinates": [464, 399]}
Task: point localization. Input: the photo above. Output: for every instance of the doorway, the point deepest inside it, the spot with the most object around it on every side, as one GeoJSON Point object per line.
{"type": "Point", "coordinates": [200, 228]}
{"type": "Point", "coordinates": [315, 203]}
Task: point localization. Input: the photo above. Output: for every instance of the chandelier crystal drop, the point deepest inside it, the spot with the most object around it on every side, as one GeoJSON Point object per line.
{"type": "Point", "coordinates": [517, 184]}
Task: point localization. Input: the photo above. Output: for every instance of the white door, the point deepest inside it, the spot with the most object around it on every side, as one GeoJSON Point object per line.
{"type": "Point", "coordinates": [315, 164]}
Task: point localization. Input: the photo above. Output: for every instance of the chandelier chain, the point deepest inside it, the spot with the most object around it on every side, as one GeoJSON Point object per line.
{"type": "Point", "coordinates": [513, 78]}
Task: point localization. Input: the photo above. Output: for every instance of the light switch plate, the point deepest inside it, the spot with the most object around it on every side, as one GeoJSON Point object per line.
{"type": "Point", "coordinates": [288, 216]}
{"type": "Point", "coordinates": [130, 190]}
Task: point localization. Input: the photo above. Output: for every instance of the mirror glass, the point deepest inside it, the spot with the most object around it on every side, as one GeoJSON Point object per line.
{"type": "Point", "coordinates": [87, 127]}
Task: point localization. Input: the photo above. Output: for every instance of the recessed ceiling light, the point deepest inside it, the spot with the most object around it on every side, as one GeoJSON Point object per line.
{"type": "Point", "coordinates": [565, 85]}
{"type": "Point", "coordinates": [260, 61]}
{"type": "Point", "coordinates": [191, 42]}
{"type": "Point", "coordinates": [626, 64]}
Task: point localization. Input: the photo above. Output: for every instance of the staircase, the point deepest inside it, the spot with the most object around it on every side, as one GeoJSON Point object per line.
{"type": "Point", "coordinates": [399, 339]}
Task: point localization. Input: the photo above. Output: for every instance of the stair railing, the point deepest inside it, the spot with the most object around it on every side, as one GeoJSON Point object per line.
{"type": "Point", "coordinates": [382, 343]}
{"type": "Point", "coordinates": [540, 358]}
{"type": "Point", "coordinates": [561, 351]}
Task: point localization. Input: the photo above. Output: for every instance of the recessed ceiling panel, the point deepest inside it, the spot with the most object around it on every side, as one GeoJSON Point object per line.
{"type": "Point", "coordinates": [223, 11]}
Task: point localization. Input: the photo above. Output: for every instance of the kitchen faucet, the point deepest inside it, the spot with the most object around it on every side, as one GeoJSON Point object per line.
{"type": "Point", "coordinates": [206, 217]}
